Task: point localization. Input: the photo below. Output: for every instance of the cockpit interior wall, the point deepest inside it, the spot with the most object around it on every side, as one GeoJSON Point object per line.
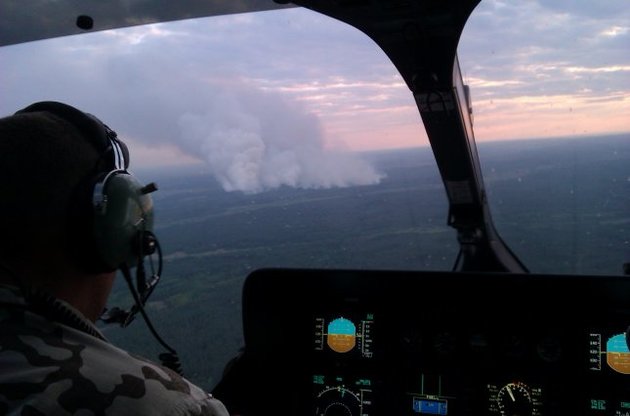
{"type": "Point", "coordinates": [29, 20]}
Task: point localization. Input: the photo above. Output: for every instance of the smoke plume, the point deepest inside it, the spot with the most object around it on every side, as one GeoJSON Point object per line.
{"type": "Point", "coordinates": [254, 141]}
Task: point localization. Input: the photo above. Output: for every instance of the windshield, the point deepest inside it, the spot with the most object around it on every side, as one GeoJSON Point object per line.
{"type": "Point", "coordinates": [276, 139]}
{"type": "Point", "coordinates": [288, 139]}
{"type": "Point", "coordinates": [550, 89]}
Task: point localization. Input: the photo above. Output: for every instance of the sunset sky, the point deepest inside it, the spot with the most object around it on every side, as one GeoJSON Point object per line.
{"type": "Point", "coordinates": [535, 70]}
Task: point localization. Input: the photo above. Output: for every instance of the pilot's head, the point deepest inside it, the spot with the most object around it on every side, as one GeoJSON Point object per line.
{"type": "Point", "coordinates": [43, 159]}
{"type": "Point", "coordinates": [65, 198]}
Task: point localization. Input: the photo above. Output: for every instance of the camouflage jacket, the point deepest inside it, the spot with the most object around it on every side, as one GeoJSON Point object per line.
{"type": "Point", "coordinates": [52, 368]}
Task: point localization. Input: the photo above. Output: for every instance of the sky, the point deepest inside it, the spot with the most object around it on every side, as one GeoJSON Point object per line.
{"type": "Point", "coordinates": [276, 98]}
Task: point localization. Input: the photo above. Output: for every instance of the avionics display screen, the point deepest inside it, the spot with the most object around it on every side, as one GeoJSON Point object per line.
{"type": "Point", "coordinates": [347, 334]}
{"type": "Point", "coordinates": [498, 345]}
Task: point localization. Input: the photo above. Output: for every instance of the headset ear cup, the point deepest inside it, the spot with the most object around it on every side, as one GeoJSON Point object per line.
{"type": "Point", "coordinates": [122, 214]}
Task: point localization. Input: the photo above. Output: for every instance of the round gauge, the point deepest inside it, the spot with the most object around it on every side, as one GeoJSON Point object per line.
{"type": "Point", "coordinates": [514, 399]}
{"type": "Point", "coordinates": [337, 401]}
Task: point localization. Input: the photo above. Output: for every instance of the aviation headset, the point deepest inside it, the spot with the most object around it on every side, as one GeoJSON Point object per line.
{"type": "Point", "coordinates": [111, 214]}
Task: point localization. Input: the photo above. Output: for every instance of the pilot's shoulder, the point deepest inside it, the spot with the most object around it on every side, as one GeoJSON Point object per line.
{"type": "Point", "coordinates": [166, 392]}
{"type": "Point", "coordinates": [53, 368]}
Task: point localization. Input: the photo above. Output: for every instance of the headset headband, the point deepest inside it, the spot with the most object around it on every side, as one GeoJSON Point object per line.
{"type": "Point", "coordinates": [104, 139]}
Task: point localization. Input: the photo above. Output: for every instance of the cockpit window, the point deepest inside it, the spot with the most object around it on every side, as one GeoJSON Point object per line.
{"type": "Point", "coordinates": [550, 92]}
{"type": "Point", "coordinates": [288, 139]}
{"type": "Point", "coordinates": [277, 139]}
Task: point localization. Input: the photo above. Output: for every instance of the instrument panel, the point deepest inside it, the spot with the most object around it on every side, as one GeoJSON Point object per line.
{"type": "Point", "coordinates": [358, 343]}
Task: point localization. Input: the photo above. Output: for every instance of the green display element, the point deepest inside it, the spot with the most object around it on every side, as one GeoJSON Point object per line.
{"type": "Point", "coordinates": [341, 396]}
{"type": "Point", "coordinates": [363, 382]}
{"type": "Point", "coordinates": [598, 404]}
{"type": "Point", "coordinates": [318, 379]}
{"type": "Point", "coordinates": [624, 405]}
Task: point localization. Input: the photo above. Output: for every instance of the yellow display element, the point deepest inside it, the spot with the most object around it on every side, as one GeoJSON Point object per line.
{"type": "Point", "coordinates": [619, 361]}
{"type": "Point", "coordinates": [341, 343]}
{"type": "Point", "coordinates": [618, 354]}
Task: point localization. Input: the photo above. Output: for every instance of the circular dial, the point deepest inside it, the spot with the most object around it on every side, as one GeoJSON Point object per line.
{"type": "Point", "coordinates": [514, 399]}
{"type": "Point", "coordinates": [337, 401]}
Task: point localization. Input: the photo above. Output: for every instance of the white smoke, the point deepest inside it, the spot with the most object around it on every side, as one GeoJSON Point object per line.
{"type": "Point", "coordinates": [254, 141]}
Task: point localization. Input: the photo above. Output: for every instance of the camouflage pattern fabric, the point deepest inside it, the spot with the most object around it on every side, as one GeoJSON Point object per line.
{"type": "Point", "coordinates": [49, 368]}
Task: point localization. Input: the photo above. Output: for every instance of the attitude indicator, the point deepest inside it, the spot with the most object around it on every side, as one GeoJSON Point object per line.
{"type": "Point", "coordinates": [614, 349]}
{"type": "Point", "coordinates": [343, 335]}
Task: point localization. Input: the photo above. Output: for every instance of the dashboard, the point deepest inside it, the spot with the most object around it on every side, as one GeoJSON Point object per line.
{"type": "Point", "coordinates": [369, 343]}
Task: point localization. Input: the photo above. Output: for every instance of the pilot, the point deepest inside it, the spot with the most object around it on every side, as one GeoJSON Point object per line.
{"type": "Point", "coordinates": [63, 175]}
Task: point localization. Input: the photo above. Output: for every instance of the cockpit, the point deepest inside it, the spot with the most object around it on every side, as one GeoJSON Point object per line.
{"type": "Point", "coordinates": [367, 207]}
